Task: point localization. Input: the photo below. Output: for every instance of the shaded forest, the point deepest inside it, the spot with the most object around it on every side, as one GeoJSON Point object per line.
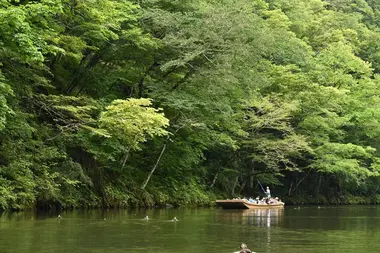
{"type": "Point", "coordinates": [115, 103]}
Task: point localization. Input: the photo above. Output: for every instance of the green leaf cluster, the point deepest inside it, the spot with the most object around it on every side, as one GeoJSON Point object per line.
{"type": "Point", "coordinates": [191, 99]}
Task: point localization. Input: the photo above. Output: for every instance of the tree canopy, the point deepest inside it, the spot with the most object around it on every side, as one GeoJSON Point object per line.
{"type": "Point", "coordinates": [119, 103]}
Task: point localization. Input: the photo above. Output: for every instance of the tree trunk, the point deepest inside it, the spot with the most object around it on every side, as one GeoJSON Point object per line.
{"type": "Point", "coordinates": [184, 79]}
{"type": "Point", "coordinates": [290, 188]}
{"type": "Point", "coordinates": [233, 187]}
{"type": "Point", "coordinates": [214, 180]}
{"type": "Point", "coordinates": [158, 159]}
{"type": "Point", "coordinates": [319, 184]}
{"type": "Point", "coordinates": [91, 59]}
{"type": "Point", "coordinates": [155, 166]}
{"type": "Point", "coordinates": [141, 86]}
{"type": "Point", "coordinates": [243, 186]}
{"type": "Point", "coordinates": [300, 181]}
{"type": "Point", "coordinates": [125, 158]}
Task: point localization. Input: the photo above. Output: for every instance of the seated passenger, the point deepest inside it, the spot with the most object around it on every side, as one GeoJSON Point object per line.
{"type": "Point", "coordinates": [244, 248]}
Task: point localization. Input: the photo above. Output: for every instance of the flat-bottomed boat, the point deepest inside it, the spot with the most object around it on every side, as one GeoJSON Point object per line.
{"type": "Point", "coordinates": [245, 204]}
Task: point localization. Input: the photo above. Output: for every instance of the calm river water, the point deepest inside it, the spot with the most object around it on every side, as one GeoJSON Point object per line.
{"type": "Point", "coordinates": [354, 229]}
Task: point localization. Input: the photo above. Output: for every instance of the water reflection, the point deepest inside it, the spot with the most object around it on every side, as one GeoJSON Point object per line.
{"type": "Point", "coordinates": [289, 230]}
{"type": "Point", "coordinates": [264, 217]}
{"type": "Point", "coordinates": [256, 217]}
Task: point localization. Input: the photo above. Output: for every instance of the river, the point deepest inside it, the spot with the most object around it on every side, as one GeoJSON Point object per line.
{"type": "Point", "coordinates": [348, 229]}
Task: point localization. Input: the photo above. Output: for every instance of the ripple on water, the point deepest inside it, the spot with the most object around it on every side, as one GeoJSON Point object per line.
{"type": "Point", "coordinates": [308, 230]}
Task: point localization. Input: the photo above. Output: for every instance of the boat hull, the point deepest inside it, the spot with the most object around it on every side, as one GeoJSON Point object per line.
{"type": "Point", "coordinates": [242, 204]}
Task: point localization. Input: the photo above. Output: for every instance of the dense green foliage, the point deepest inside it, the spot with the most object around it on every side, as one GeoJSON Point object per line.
{"type": "Point", "coordinates": [117, 103]}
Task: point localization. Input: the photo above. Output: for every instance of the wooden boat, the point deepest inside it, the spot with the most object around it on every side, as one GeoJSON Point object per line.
{"type": "Point", "coordinates": [244, 204]}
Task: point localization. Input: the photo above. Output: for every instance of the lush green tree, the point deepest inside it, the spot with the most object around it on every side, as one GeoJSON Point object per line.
{"type": "Point", "coordinates": [117, 103]}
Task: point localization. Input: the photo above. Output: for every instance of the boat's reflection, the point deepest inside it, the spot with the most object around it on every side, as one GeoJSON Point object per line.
{"type": "Point", "coordinates": [256, 217]}
{"type": "Point", "coordinates": [264, 217]}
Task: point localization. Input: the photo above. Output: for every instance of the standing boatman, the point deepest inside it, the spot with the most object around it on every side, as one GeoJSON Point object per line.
{"type": "Point", "coordinates": [267, 192]}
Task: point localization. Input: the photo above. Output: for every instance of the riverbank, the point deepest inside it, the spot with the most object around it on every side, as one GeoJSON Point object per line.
{"type": "Point", "coordinates": [206, 199]}
{"type": "Point", "coordinates": [341, 200]}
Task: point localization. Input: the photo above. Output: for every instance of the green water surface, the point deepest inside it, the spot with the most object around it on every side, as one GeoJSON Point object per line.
{"type": "Point", "coordinates": [354, 229]}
